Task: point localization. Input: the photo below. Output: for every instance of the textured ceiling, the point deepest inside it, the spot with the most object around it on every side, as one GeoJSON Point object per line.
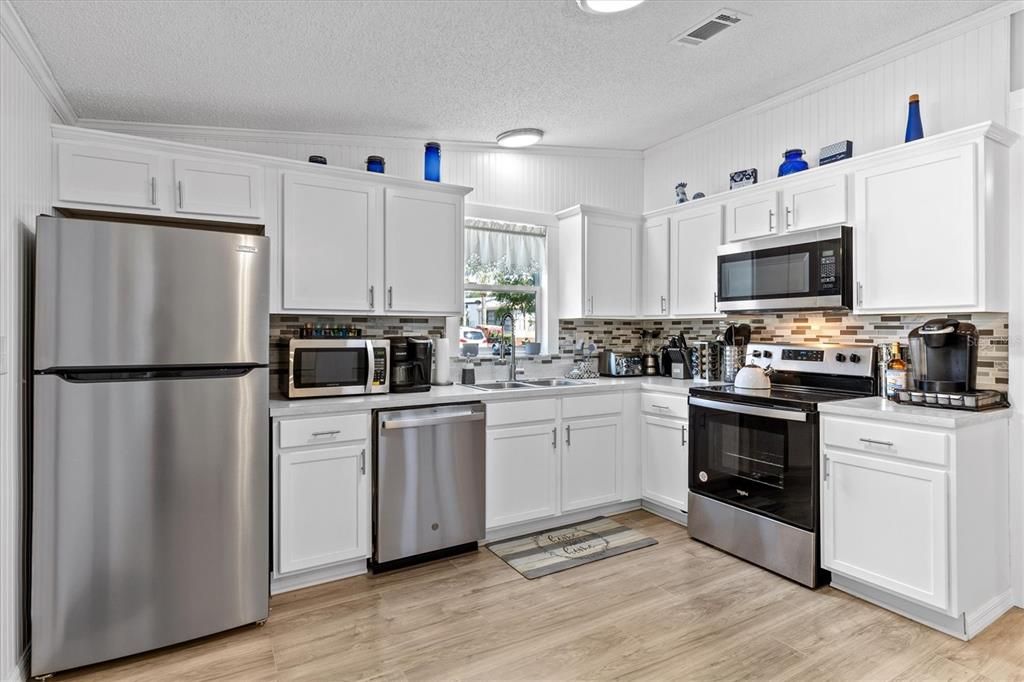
{"type": "Point", "coordinates": [453, 69]}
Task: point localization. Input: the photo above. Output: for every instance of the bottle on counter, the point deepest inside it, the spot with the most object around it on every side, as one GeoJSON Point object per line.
{"type": "Point", "coordinates": [895, 373]}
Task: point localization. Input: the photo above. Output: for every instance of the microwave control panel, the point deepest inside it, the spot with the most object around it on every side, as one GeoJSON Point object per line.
{"type": "Point", "coordinates": [380, 366]}
{"type": "Point", "coordinates": [829, 268]}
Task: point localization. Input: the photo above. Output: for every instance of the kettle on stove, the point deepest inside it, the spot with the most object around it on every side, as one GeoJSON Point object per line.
{"type": "Point", "coordinates": [754, 377]}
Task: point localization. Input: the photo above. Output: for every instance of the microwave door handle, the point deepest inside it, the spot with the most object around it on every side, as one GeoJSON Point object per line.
{"type": "Point", "coordinates": [369, 366]}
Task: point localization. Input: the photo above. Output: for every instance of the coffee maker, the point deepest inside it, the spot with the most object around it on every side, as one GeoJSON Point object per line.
{"type": "Point", "coordinates": [944, 356]}
{"type": "Point", "coordinates": [411, 358]}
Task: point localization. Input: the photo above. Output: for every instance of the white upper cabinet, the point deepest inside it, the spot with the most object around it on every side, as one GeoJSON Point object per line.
{"type": "Point", "coordinates": [331, 234]}
{"type": "Point", "coordinates": [931, 229]}
{"type": "Point", "coordinates": [598, 263]}
{"type": "Point", "coordinates": [695, 234]}
{"type": "Point", "coordinates": [821, 201]}
{"type": "Point", "coordinates": [654, 298]}
{"type": "Point", "coordinates": [216, 188]}
{"type": "Point", "coordinates": [752, 214]}
{"type": "Point", "coordinates": [423, 261]}
{"type": "Point", "coordinates": [101, 175]}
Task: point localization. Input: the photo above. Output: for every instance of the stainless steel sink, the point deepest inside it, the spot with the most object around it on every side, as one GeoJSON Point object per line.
{"type": "Point", "coordinates": [554, 383]}
{"type": "Point", "coordinates": [500, 385]}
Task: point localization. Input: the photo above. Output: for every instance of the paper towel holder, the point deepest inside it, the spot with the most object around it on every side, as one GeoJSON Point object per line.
{"type": "Point", "coordinates": [442, 362]}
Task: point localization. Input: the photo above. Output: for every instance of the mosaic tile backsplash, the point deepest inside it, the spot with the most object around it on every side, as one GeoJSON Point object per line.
{"type": "Point", "coordinates": [811, 327]}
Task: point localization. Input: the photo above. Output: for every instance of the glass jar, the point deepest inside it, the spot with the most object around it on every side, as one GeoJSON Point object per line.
{"type": "Point", "coordinates": [375, 164]}
{"type": "Point", "coordinates": [432, 162]}
{"type": "Point", "coordinates": [793, 163]}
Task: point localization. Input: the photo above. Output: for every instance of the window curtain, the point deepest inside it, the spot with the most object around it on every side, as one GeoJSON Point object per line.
{"type": "Point", "coordinates": [495, 243]}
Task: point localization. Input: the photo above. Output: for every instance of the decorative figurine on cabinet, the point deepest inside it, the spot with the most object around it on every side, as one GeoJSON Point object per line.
{"type": "Point", "coordinates": [699, 195]}
{"type": "Point", "coordinates": [681, 193]}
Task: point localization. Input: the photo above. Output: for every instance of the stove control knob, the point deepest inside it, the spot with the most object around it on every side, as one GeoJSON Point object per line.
{"type": "Point", "coordinates": [767, 353]}
{"type": "Point", "coordinates": [854, 358]}
{"type": "Point", "coordinates": [840, 357]}
{"type": "Point", "coordinates": [756, 353]}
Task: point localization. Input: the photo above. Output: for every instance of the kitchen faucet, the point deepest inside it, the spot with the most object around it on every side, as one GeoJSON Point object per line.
{"type": "Point", "coordinates": [512, 346]}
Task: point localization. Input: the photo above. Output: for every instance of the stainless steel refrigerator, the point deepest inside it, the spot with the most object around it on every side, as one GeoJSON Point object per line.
{"type": "Point", "coordinates": [150, 464]}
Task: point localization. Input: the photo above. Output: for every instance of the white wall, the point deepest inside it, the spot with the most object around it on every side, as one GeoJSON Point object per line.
{"type": "Point", "coordinates": [25, 182]}
{"type": "Point", "coordinates": [962, 79]}
{"type": "Point", "coordinates": [545, 179]}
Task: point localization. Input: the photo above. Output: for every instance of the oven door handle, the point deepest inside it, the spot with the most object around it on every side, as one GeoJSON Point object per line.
{"type": "Point", "coordinates": [771, 412]}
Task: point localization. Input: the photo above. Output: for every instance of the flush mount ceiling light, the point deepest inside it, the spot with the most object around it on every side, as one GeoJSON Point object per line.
{"type": "Point", "coordinates": [520, 137]}
{"type": "Point", "coordinates": [607, 6]}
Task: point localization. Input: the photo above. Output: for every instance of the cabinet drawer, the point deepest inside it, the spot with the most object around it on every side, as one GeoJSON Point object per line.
{"type": "Point", "coordinates": [919, 445]}
{"type": "Point", "coordinates": [323, 430]}
{"type": "Point", "coordinates": [589, 405]}
{"type": "Point", "coordinates": [665, 405]}
{"type": "Point", "coordinates": [521, 412]}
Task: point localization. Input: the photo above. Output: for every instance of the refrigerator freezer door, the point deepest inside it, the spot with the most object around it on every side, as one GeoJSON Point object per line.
{"type": "Point", "coordinates": [123, 295]}
{"type": "Point", "coordinates": [150, 514]}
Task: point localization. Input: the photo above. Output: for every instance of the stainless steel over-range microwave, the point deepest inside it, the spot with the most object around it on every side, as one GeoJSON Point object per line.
{"type": "Point", "coordinates": [810, 270]}
{"type": "Point", "coordinates": [332, 367]}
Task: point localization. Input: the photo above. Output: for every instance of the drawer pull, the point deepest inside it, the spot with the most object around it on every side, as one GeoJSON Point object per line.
{"type": "Point", "coordinates": [333, 432]}
{"type": "Point", "coordinates": [886, 443]}
{"type": "Point", "coordinates": [659, 407]}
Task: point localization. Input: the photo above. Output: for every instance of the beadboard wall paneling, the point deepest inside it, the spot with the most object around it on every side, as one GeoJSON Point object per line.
{"type": "Point", "coordinates": [962, 80]}
{"type": "Point", "coordinates": [534, 179]}
{"type": "Point", "coordinates": [25, 188]}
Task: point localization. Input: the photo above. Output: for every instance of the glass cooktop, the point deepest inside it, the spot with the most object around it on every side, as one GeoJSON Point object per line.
{"type": "Point", "coordinates": [793, 397]}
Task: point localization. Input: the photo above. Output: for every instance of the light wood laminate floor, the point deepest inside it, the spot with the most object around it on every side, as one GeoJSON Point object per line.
{"type": "Point", "coordinates": [677, 610]}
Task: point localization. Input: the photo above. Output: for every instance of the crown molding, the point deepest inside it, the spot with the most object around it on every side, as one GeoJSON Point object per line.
{"type": "Point", "coordinates": [177, 131]}
{"type": "Point", "coordinates": [20, 40]}
{"type": "Point", "coordinates": [1001, 11]}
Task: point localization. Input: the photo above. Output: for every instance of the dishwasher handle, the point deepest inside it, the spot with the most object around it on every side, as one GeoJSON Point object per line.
{"type": "Point", "coordinates": [389, 424]}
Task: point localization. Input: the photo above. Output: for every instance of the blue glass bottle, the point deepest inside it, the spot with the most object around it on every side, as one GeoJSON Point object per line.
{"type": "Point", "coordinates": [375, 164]}
{"type": "Point", "coordinates": [793, 163]}
{"type": "Point", "coordinates": [915, 131]}
{"type": "Point", "coordinates": [432, 162]}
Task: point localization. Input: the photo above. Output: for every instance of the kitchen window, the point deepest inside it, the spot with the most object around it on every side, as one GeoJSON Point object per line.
{"type": "Point", "coordinates": [504, 274]}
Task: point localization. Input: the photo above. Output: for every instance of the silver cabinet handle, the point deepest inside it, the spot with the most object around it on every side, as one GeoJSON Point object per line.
{"type": "Point", "coordinates": [860, 294]}
{"type": "Point", "coordinates": [554, 437]}
{"type": "Point", "coordinates": [568, 434]}
{"type": "Point", "coordinates": [181, 200]}
{"type": "Point", "coordinates": [771, 219]}
{"type": "Point", "coordinates": [362, 461]}
{"type": "Point", "coordinates": [886, 443]}
{"type": "Point", "coordinates": [371, 296]}
{"type": "Point", "coordinates": [326, 433]}
{"type": "Point", "coordinates": [662, 305]}
{"type": "Point", "coordinates": [683, 429]}
{"type": "Point", "coordinates": [590, 303]}
{"type": "Point", "coordinates": [716, 301]}
{"type": "Point", "coordinates": [659, 407]}
{"type": "Point", "coordinates": [391, 297]}
{"type": "Point", "coordinates": [826, 467]}
{"type": "Point", "coordinates": [789, 217]}
{"type": "Point", "coordinates": [152, 190]}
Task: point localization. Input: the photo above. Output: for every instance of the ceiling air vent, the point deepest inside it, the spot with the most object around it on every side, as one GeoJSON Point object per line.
{"type": "Point", "coordinates": [712, 26]}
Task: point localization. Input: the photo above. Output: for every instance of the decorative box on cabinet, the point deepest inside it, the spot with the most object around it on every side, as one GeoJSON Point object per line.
{"type": "Point", "coordinates": [915, 517]}
{"type": "Point", "coordinates": [598, 262]}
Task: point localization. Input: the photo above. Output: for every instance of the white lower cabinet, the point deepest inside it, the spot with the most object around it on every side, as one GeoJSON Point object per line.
{"type": "Point", "coordinates": [590, 462]}
{"type": "Point", "coordinates": [666, 463]}
{"type": "Point", "coordinates": [888, 524]}
{"type": "Point", "coordinates": [522, 473]}
{"type": "Point", "coordinates": [321, 503]}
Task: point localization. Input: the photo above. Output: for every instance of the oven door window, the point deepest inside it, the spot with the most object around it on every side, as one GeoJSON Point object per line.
{"type": "Point", "coordinates": [759, 463]}
{"type": "Point", "coordinates": [326, 367]}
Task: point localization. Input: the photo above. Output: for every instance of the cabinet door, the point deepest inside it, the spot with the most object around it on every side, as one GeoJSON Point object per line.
{"type": "Point", "coordinates": [94, 174]}
{"type": "Point", "coordinates": [590, 462]}
{"type": "Point", "coordinates": [223, 189]}
{"type": "Point", "coordinates": [694, 237]}
{"type": "Point", "coordinates": [821, 202]}
{"type": "Point", "coordinates": [886, 523]}
{"type": "Point", "coordinates": [423, 266]}
{"type": "Point", "coordinates": [610, 251]}
{"type": "Point", "coordinates": [665, 461]}
{"type": "Point", "coordinates": [331, 228]}
{"type": "Point", "coordinates": [323, 515]}
{"type": "Point", "coordinates": [917, 232]}
{"type": "Point", "coordinates": [655, 255]}
{"type": "Point", "coordinates": [522, 474]}
{"type": "Point", "coordinates": [754, 214]}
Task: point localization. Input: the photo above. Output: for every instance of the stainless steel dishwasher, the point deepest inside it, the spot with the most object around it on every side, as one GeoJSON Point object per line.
{"type": "Point", "coordinates": [429, 486]}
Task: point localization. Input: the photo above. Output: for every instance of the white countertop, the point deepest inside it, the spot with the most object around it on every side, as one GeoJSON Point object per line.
{"type": "Point", "coordinates": [880, 408]}
{"type": "Point", "coordinates": [463, 394]}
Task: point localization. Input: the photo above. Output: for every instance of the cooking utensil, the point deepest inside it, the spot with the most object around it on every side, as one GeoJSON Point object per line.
{"type": "Point", "coordinates": [730, 335]}
{"type": "Point", "coordinates": [742, 334]}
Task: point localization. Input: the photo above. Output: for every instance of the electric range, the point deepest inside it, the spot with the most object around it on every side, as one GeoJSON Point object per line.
{"type": "Point", "coordinates": [754, 455]}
